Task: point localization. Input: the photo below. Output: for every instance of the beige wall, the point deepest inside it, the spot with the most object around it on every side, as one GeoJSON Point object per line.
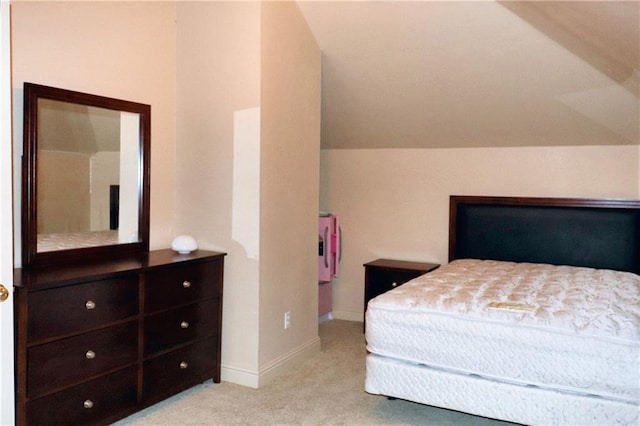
{"type": "Point", "coordinates": [218, 78]}
{"type": "Point", "coordinates": [394, 203]}
{"type": "Point", "coordinates": [248, 171]}
{"type": "Point", "coordinates": [124, 50]}
{"type": "Point", "coordinates": [64, 198]}
{"type": "Point", "coordinates": [290, 169]}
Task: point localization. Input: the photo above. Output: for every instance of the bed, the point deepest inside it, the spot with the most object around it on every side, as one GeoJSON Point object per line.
{"type": "Point", "coordinates": [534, 320]}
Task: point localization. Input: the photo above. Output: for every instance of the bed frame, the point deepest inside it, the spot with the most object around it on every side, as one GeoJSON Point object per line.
{"type": "Point", "coordinates": [600, 233]}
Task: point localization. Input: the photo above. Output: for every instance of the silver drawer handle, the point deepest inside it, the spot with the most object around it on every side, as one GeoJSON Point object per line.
{"type": "Point", "coordinates": [88, 403]}
{"type": "Point", "coordinates": [90, 355]}
{"type": "Point", "coordinates": [90, 305]}
{"type": "Point", "coordinates": [184, 324]}
{"type": "Point", "coordinates": [186, 284]}
{"type": "Point", "coordinates": [184, 365]}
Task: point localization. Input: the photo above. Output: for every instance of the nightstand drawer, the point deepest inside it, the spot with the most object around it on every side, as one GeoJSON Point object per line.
{"type": "Point", "coordinates": [89, 403]}
{"type": "Point", "coordinates": [180, 284]}
{"type": "Point", "coordinates": [180, 369]}
{"type": "Point", "coordinates": [81, 307]}
{"type": "Point", "coordinates": [55, 365]}
{"type": "Point", "coordinates": [168, 329]}
{"type": "Point", "coordinates": [384, 280]}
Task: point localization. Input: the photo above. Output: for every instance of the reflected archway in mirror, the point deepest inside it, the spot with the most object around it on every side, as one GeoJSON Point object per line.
{"type": "Point", "coordinates": [85, 176]}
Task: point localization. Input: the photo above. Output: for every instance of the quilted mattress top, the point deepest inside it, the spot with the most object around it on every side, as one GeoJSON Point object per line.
{"type": "Point", "coordinates": [590, 302]}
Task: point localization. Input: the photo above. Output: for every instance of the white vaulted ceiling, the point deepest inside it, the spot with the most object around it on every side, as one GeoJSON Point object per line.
{"type": "Point", "coordinates": [433, 74]}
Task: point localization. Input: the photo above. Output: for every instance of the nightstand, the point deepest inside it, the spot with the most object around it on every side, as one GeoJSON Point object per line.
{"type": "Point", "coordinates": [382, 275]}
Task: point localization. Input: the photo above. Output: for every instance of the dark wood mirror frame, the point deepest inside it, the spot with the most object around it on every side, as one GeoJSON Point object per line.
{"type": "Point", "coordinates": [30, 255]}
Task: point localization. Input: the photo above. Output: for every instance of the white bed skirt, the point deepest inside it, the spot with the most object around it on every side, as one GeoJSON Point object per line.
{"type": "Point", "coordinates": [488, 398]}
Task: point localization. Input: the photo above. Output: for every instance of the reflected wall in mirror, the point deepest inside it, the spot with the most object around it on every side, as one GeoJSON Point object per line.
{"type": "Point", "coordinates": [86, 176]}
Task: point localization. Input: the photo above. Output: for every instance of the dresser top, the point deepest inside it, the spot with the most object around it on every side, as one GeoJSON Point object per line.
{"type": "Point", "coordinates": [52, 276]}
{"type": "Point", "coordinates": [402, 265]}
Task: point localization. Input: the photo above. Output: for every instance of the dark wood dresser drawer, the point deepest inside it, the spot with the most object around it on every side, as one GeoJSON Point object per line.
{"type": "Point", "coordinates": [89, 403]}
{"type": "Point", "coordinates": [67, 361]}
{"type": "Point", "coordinates": [171, 328]}
{"type": "Point", "coordinates": [180, 369]}
{"type": "Point", "coordinates": [76, 308]}
{"type": "Point", "coordinates": [180, 284]}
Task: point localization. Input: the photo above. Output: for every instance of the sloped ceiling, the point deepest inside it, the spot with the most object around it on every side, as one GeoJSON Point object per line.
{"type": "Point", "coordinates": [76, 128]}
{"type": "Point", "coordinates": [437, 74]}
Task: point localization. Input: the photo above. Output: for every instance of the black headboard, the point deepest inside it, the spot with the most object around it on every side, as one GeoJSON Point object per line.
{"type": "Point", "coordinates": [598, 233]}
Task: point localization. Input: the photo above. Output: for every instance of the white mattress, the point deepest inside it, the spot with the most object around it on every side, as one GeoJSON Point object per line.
{"type": "Point", "coordinates": [555, 327]}
{"type": "Point", "coordinates": [475, 395]}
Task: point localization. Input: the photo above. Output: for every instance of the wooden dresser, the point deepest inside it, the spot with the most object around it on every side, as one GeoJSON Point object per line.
{"type": "Point", "coordinates": [98, 341]}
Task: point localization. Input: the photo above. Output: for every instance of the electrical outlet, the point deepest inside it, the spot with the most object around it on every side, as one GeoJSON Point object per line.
{"type": "Point", "coordinates": [287, 320]}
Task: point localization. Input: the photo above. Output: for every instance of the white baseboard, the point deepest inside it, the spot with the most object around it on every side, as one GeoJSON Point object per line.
{"type": "Point", "coordinates": [326, 317]}
{"type": "Point", "coordinates": [239, 376]}
{"type": "Point", "coordinates": [348, 315]}
{"type": "Point", "coordinates": [272, 370]}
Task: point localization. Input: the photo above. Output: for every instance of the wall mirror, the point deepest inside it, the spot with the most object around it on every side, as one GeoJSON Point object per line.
{"type": "Point", "coordinates": [85, 180]}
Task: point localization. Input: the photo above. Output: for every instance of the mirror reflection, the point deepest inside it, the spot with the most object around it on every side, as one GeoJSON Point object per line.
{"type": "Point", "coordinates": [87, 176]}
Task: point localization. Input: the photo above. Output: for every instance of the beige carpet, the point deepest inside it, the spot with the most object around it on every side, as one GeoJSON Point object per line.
{"type": "Point", "coordinates": [325, 390]}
